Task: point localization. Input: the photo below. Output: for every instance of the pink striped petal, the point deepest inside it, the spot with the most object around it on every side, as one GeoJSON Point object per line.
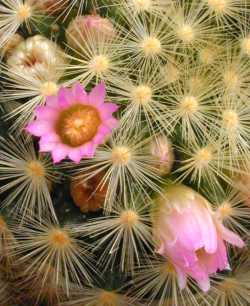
{"type": "Point", "coordinates": [52, 101]}
{"type": "Point", "coordinates": [47, 146]}
{"type": "Point", "coordinates": [59, 153]}
{"type": "Point", "coordinates": [97, 95]}
{"type": "Point", "coordinates": [75, 155]}
{"type": "Point", "coordinates": [231, 237]}
{"type": "Point", "coordinates": [46, 113]}
{"type": "Point", "coordinates": [39, 128]}
{"type": "Point", "coordinates": [65, 97]}
{"type": "Point", "coordinates": [181, 277]}
{"type": "Point", "coordinates": [107, 109]}
{"type": "Point", "coordinates": [204, 284]}
{"type": "Point", "coordinates": [80, 95]}
{"type": "Point", "coordinates": [88, 150]}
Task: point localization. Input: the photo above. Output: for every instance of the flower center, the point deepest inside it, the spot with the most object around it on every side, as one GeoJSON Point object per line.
{"type": "Point", "coordinates": [151, 46]}
{"type": "Point", "coordinates": [78, 124]}
{"type": "Point", "coordinates": [142, 94]}
{"type": "Point", "coordinates": [142, 5]}
{"type": "Point", "coordinates": [49, 89]}
{"type": "Point", "coordinates": [121, 155]}
{"type": "Point", "coordinates": [59, 239]}
{"type": "Point", "coordinates": [189, 105]}
{"type": "Point", "coordinates": [129, 218]}
{"type": "Point", "coordinates": [35, 169]}
{"type": "Point", "coordinates": [99, 64]}
{"type": "Point", "coordinates": [225, 210]}
{"type": "Point", "coordinates": [186, 33]}
{"type": "Point", "coordinates": [107, 298]}
{"type": "Point", "coordinates": [219, 6]}
{"type": "Point", "coordinates": [203, 157]}
{"type": "Point", "coordinates": [24, 12]}
{"type": "Point", "coordinates": [245, 45]}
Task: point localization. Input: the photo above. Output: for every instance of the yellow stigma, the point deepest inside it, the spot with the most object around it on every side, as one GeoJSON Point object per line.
{"type": "Point", "coordinates": [35, 169]}
{"type": "Point", "coordinates": [24, 12]}
{"type": "Point", "coordinates": [78, 124]}
{"type": "Point", "coordinates": [49, 89]}
{"type": "Point", "coordinates": [142, 5]}
{"type": "Point", "coordinates": [203, 157]}
{"type": "Point", "coordinates": [107, 298]}
{"type": "Point", "coordinates": [141, 95]}
{"type": "Point", "coordinates": [219, 6]}
{"type": "Point", "coordinates": [245, 45]}
{"type": "Point", "coordinates": [151, 46]}
{"type": "Point", "coordinates": [121, 155]}
{"type": "Point", "coordinates": [189, 105]}
{"type": "Point", "coordinates": [129, 218]}
{"type": "Point", "coordinates": [231, 79]}
{"type": "Point", "coordinates": [59, 239]}
{"type": "Point", "coordinates": [225, 210]}
{"type": "Point", "coordinates": [186, 33]}
{"type": "Point", "coordinates": [99, 64]}
{"type": "Point", "coordinates": [230, 119]}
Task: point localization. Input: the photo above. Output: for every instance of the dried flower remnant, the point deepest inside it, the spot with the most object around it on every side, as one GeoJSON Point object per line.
{"type": "Point", "coordinates": [74, 123]}
{"type": "Point", "coordinates": [89, 195]}
{"type": "Point", "coordinates": [189, 234]}
{"type": "Point", "coordinates": [122, 159]}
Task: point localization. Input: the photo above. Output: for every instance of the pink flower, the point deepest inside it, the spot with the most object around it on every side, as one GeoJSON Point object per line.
{"type": "Point", "coordinates": [73, 123]}
{"type": "Point", "coordinates": [190, 235]}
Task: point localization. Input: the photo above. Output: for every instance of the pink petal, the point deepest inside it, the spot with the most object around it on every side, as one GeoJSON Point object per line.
{"type": "Point", "coordinates": [38, 128]}
{"type": "Point", "coordinates": [46, 113]}
{"type": "Point", "coordinates": [75, 155]}
{"type": "Point", "coordinates": [204, 284]}
{"type": "Point", "coordinates": [181, 277]}
{"type": "Point", "coordinates": [97, 95]}
{"type": "Point", "coordinates": [231, 237]}
{"type": "Point", "coordinates": [208, 228]}
{"type": "Point", "coordinates": [107, 109]}
{"type": "Point", "coordinates": [52, 101]}
{"type": "Point", "coordinates": [51, 137]}
{"type": "Point", "coordinates": [59, 153]}
{"type": "Point", "coordinates": [88, 150]}
{"type": "Point", "coordinates": [186, 229]}
{"type": "Point", "coordinates": [47, 146]}
{"type": "Point", "coordinates": [79, 93]}
{"type": "Point", "coordinates": [65, 97]}
{"type": "Point", "coordinates": [112, 123]}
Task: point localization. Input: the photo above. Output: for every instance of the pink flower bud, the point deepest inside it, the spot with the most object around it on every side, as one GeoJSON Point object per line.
{"type": "Point", "coordinates": [190, 235]}
{"type": "Point", "coordinates": [89, 28]}
{"type": "Point", "coordinates": [162, 151]}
